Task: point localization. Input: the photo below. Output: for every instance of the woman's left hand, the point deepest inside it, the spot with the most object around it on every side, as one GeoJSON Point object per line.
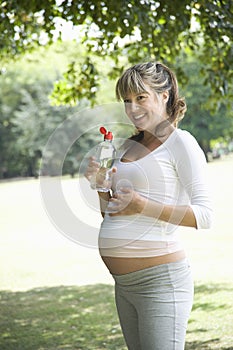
{"type": "Point", "coordinates": [126, 202]}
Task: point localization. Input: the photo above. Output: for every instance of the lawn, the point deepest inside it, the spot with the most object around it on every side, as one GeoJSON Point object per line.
{"type": "Point", "coordinates": [84, 318]}
{"type": "Point", "coordinates": [55, 294]}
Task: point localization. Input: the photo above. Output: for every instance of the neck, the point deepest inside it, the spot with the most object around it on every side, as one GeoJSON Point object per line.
{"type": "Point", "coordinates": [160, 136]}
{"type": "Point", "coordinates": [148, 136]}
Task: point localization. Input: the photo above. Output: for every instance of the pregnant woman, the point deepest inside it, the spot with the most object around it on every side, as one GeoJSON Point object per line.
{"type": "Point", "coordinates": [158, 186]}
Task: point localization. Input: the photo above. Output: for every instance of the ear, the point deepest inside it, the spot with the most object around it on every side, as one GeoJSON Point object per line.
{"type": "Point", "coordinates": [165, 95]}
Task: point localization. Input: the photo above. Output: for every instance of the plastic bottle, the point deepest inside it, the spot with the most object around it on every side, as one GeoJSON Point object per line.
{"type": "Point", "coordinates": [105, 155]}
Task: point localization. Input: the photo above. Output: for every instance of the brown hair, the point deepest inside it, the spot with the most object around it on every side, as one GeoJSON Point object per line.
{"type": "Point", "coordinates": [159, 78]}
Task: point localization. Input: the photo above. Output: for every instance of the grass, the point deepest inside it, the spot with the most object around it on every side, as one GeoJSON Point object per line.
{"type": "Point", "coordinates": [84, 318]}
{"type": "Point", "coordinates": [60, 318]}
{"type": "Point", "coordinates": [210, 324]}
{"type": "Point", "coordinates": [55, 294]}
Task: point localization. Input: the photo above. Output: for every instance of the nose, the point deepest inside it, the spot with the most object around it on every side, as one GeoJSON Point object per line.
{"type": "Point", "coordinates": [133, 106]}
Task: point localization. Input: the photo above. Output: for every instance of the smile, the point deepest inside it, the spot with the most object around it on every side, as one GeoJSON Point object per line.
{"type": "Point", "coordinates": [136, 117]}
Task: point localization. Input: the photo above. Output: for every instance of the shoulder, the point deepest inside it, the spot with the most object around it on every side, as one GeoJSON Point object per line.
{"type": "Point", "coordinates": [184, 143]}
{"type": "Point", "coordinates": [183, 138]}
{"type": "Point", "coordinates": [186, 137]}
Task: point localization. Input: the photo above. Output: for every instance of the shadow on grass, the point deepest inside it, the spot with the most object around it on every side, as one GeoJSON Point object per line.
{"type": "Point", "coordinates": [77, 318]}
{"type": "Point", "coordinates": [210, 324]}
{"type": "Point", "coordinates": [60, 318]}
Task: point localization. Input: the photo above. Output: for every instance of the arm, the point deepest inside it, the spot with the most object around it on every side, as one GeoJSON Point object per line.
{"type": "Point", "coordinates": [129, 202]}
{"type": "Point", "coordinates": [176, 215]}
{"type": "Point", "coordinates": [190, 165]}
{"type": "Point", "coordinates": [191, 168]}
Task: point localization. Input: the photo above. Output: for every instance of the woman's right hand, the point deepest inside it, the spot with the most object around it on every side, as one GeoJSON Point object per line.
{"type": "Point", "coordinates": [99, 174]}
{"type": "Point", "coordinates": [92, 168]}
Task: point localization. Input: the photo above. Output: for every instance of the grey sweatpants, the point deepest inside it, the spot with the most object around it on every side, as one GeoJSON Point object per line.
{"type": "Point", "coordinates": [154, 305]}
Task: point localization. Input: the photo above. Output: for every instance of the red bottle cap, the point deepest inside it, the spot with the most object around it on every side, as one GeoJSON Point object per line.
{"type": "Point", "coordinates": [107, 134]}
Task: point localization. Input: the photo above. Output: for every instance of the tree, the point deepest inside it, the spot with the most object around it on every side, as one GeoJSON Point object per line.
{"type": "Point", "coordinates": [10, 159]}
{"type": "Point", "coordinates": [136, 29]}
{"type": "Point", "coordinates": [199, 120]}
{"type": "Point", "coordinates": [27, 118]}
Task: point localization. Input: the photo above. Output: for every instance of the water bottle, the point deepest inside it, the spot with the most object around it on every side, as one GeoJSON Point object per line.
{"type": "Point", "coordinates": [105, 154]}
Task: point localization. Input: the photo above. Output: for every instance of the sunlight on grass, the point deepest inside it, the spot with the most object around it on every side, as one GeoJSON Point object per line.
{"type": "Point", "coordinates": [56, 294]}
{"type": "Point", "coordinates": [85, 318]}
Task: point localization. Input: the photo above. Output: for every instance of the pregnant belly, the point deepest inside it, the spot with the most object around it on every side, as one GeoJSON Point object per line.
{"type": "Point", "coordinates": [120, 266]}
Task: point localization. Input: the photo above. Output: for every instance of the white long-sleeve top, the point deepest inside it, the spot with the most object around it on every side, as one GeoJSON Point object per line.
{"type": "Point", "coordinates": [173, 174]}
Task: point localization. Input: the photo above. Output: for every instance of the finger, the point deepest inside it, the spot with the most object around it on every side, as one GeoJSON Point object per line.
{"type": "Point", "coordinates": [115, 213]}
{"type": "Point", "coordinates": [92, 168]}
{"type": "Point", "coordinates": [92, 160]}
{"type": "Point", "coordinates": [125, 190]}
{"type": "Point", "coordinates": [93, 164]}
{"type": "Point", "coordinates": [89, 174]}
{"type": "Point", "coordinates": [115, 202]}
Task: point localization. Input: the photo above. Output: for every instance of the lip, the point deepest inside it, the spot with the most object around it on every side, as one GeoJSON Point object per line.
{"type": "Point", "coordinates": [138, 117]}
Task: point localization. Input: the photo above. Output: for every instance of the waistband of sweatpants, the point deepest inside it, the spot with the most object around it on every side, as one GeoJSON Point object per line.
{"type": "Point", "coordinates": [150, 271]}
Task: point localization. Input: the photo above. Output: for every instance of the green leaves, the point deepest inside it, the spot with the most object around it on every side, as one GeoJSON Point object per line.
{"type": "Point", "coordinates": [78, 83]}
{"type": "Point", "coordinates": [202, 119]}
{"type": "Point", "coordinates": [139, 30]}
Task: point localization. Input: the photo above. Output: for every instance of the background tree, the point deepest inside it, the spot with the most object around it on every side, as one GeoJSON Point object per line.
{"type": "Point", "coordinates": [28, 118]}
{"type": "Point", "coordinates": [107, 37]}
{"type": "Point", "coordinates": [10, 158]}
{"type": "Point", "coordinates": [138, 29]}
{"type": "Point", "coordinates": [204, 124]}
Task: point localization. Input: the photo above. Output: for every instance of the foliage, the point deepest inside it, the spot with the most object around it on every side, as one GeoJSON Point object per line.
{"type": "Point", "coordinates": [203, 123]}
{"type": "Point", "coordinates": [85, 318]}
{"type": "Point", "coordinates": [27, 119]}
{"type": "Point", "coordinates": [8, 152]}
{"type": "Point", "coordinates": [138, 30]}
{"type": "Point", "coordinates": [67, 90]}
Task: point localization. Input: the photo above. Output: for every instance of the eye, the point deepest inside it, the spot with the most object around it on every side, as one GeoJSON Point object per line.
{"type": "Point", "coordinates": [127, 101]}
{"type": "Point", "coordinates": [140, 97]}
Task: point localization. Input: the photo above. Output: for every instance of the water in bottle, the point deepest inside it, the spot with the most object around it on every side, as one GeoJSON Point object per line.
{"type": "Point", "coordinates": [105, 154]}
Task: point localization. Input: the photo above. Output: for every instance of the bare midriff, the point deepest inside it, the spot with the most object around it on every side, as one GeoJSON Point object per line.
{"type": "Point", "coordinates": [121, 266]}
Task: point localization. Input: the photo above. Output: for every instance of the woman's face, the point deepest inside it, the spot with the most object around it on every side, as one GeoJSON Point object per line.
{"type": "Point", "coordinates": [146, 110]}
